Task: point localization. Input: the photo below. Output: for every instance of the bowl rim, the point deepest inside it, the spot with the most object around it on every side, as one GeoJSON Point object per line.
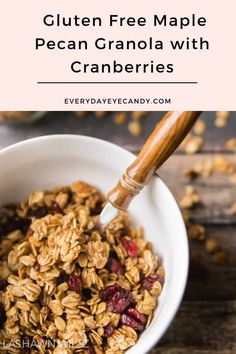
{"type": "Point", "coordinates": [184, 239]}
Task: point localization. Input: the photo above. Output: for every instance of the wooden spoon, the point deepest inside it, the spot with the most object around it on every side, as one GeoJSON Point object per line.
{"type": "Point", "coordinates": [163, 141]}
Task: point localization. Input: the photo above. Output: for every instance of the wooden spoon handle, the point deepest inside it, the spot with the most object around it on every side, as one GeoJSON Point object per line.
{"type": "Point", "coordinates": [163, 141]}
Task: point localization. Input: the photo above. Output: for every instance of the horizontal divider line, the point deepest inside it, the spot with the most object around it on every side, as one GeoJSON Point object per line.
{"type": "Point", "coordinates": [118, 82]}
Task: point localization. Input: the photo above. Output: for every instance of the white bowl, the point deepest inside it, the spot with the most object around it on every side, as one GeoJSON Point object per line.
{"type": "Point", "coordinates": [48, 161]}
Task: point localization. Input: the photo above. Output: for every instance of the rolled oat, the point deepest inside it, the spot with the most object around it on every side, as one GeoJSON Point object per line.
{"type": "Point", "coordinates": [68, 287]}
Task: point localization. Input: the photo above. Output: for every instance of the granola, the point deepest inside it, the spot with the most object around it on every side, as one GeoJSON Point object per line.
{"type": "Point", "coordinates": [199, 127]}
{"type": "Point", "coordinates": [135, 128]}
{"type": "Point", "coordinates": [192, 144]}
{"type": "Point", "coordinates": [190, 199]}
{"type": "Point", "coordinates": [65, 285]}
{"type": "Point", "coordinates": [221, 118]}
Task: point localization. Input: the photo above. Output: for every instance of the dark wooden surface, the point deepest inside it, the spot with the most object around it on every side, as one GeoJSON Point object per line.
{"type": "Point", "coordinates": [104, 128]}
{"type": "Point", "coordinates": [206, 320]}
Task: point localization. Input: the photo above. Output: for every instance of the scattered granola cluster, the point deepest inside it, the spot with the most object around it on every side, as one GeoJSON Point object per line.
{"type": "Point", "coordinates": [68, 287]}
{"type": "Point", "coordinates": [205, 168]}
{"type": "Point", "coordinates": [221, 118]}
{"type": "Point", "coordinates": [190, 199]}
{"type": "Point", "coordinates": [217, 164]}
{"type": "Point", "coordinates": [18, 116]}
{"type": "Point", "coordinates": [134, 119]}
{"type": "Point", "coordinates": [193, 142]}
{"type": "Point", "coordinates": [197, 232]}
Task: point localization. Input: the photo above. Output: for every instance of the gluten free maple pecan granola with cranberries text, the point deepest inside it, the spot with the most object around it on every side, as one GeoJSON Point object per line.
{"type": "Point", "coordinates": [67, 287]}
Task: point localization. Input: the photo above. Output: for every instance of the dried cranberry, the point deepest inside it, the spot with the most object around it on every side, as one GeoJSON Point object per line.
{"type": "Point", "coordinates": [63, 278]}
{"type": "Point", "coordinates": [3, 284]}
{"type": "Point", "coordinates": [3, 316]}
{"type": "Point", "coordinates": [87, 293]}
{"type": "Point", "coordinates": [113, 254]}
{"type": "Point", "coordinates": [114, 266]}
{"type": "Point", "coordinates": [136, 315]}
{"type": "Point", "coordinates": [109, 330]}
{"type": "Point", "coordinates": [15, 272]}
{"type": "Point", "coordinates": [24, 225]}
{"type": "Point", "coordinates": [55, 209]}
{"type": "Point", "coordinates": [16, 224]}
{"type": "Point", "coordinates": [107, 293]}
{"type": "Point", "coordinates": [120, 301]}
{"type": "Point", "coordinates": [149, 281]}
{"type": "Point", "coordinates": [75, 283]}
{"type": "Point", "coordinates": [38, 213]}
{"type": "Point", "coordinates": [129, 321]}
{"type": "Point", "coordinates": [130, 247]}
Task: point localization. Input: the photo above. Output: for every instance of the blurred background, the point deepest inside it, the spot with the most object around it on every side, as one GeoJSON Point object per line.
{"type": "Point", "coordinates": [202, 176]}
{"type": "Point", "coordinates": [128, 129]}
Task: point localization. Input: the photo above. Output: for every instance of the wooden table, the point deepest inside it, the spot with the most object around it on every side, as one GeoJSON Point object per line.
{"type": "Point", "coordinates": [206, 320]}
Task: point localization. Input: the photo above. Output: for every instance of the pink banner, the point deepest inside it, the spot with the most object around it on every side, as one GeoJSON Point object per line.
{"type": "Point", "coordinates": [70, 55]}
